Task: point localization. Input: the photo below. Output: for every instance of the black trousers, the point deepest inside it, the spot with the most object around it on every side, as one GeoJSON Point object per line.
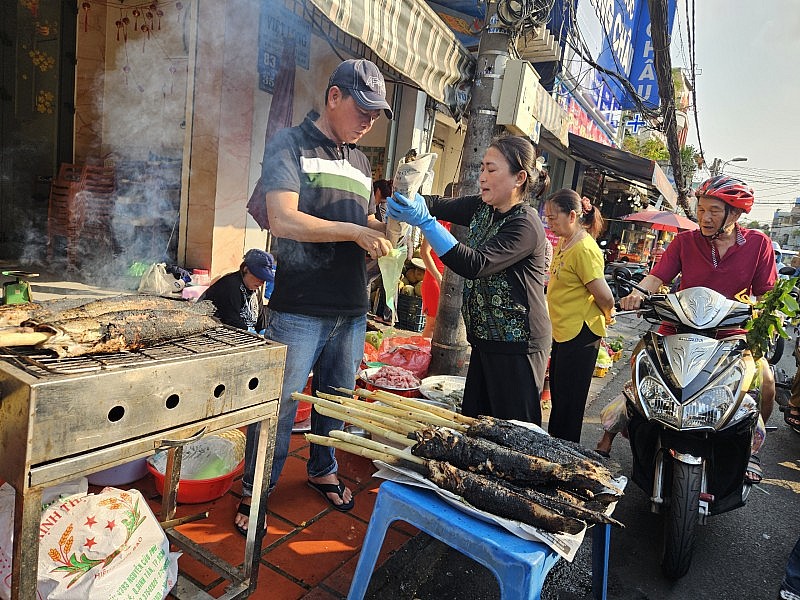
{"type": "Point", "coordinates": [571, 369]}
{"type": "Point", "coordinates": [506, 386]}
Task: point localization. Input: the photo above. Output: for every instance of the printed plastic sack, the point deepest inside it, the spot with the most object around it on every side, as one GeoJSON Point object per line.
{"type": "Point", "coordinates": [102, 546]}
{"type": "Point", "coordinates": [156, 281]}
{"type": "Point", "coordinates": [614, 416]}
{"type": "Point", "coordinates": [408, 180]}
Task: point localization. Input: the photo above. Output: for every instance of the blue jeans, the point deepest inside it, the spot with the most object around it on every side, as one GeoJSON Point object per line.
{"type": "Point", "coordinates": [791, 580]}
{"type": "Point", "coordinates": [333, 348]}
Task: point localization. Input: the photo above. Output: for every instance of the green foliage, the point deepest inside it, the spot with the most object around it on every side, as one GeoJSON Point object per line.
{"type": "Point", "coordinates": [769, 314]}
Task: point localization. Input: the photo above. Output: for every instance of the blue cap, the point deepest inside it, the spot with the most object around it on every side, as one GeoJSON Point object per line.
{"type": "Point", "coordinates": [364, 81]}
{"type": "Point", "coordinates": [261, 264]}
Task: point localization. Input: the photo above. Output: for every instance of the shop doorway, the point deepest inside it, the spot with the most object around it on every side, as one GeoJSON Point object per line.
{"type": "Point", "coordinates": [37, 46]}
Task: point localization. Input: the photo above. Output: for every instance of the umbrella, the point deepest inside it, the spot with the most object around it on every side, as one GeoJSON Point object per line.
{"type": "Point", "coordinates": [662, 220]}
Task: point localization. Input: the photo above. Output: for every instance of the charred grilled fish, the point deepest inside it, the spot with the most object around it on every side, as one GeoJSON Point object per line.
{"type": "Point", "coordinates": [530, 441]}
{"type": "Point", "coordinates": [486, 494]}
{"type": "Point", "coordinates": [120, 331]}
{"type": "Point", "coordinates": [61, 309]}
{"type": "Point", "coordinates": [485, 457]}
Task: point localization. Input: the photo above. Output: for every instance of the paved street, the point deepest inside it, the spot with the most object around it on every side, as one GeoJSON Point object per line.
{"type": "Point", "coordinates": [738, 555]}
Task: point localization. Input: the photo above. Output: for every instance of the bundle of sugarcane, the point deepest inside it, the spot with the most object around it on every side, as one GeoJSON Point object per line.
{"type": "Point", "coordinates": [107, 325]}
{"type": "Point", "coordinates": [555, 497]}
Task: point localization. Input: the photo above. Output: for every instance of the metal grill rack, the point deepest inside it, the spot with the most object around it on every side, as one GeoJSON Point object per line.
{"type": "Point", "coordinates": [62, 418]}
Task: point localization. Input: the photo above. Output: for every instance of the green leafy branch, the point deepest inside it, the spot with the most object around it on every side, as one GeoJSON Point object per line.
{"type": "Point", "coordinates": [769, 314]}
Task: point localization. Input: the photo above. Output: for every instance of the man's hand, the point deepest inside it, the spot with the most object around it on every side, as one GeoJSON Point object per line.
{"type": "Point", "coordinates": [374, 242]}
{"type": "Point", "coordinates": [412, 211]}
{"type": "Point", "coordinates": [632, 301]}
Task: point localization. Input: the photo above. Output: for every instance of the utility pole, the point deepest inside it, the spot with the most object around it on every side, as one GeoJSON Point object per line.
{"type": "Point", "coordinates": [666, 91]}
{"type": "Point", "coordinates": [449, 343]}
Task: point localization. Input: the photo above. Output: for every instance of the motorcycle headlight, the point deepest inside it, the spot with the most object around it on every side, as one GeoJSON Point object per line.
{"type": "Point", "coordinates": [655, 397]}
{"type": "Point", "coordinates": [712, 406]}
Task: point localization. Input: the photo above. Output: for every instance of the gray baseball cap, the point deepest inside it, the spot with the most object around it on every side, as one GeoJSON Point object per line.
{"type": "Point", "coordinates": [364, 81]}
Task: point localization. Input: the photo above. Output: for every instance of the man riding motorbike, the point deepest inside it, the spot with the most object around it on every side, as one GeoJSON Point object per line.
{"type": "Point", "coordinates": [723, 256]}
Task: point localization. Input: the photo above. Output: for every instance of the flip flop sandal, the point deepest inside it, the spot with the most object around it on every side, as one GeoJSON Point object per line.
{"type": "Point", "coordinates": [329, 488]}
{"type": "Point", "coordinates": [244, 509]}
{"type": "Point", "coordinates": [791, 415]}
{"type": "Point", "coordinates": [753, 474]}
{"type": "Point", "coordinates": [603, 453]}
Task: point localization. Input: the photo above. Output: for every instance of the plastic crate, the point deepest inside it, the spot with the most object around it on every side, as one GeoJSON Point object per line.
{"type": "Point", "coordinates": [417, 324]}
{"type": "Point", "coordinates": [410, 306]}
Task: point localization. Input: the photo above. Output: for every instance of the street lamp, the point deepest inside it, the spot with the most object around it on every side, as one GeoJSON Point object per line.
{"type": "Point", "coordinates": [734, 159]}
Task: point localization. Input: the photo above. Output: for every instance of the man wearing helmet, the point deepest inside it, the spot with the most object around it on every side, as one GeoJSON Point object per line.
{"type": "Point", "coordinates": [721, 255]}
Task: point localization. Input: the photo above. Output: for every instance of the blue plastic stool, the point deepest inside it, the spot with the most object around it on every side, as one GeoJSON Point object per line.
{"type": "Point", "coordinates": [519, 565]}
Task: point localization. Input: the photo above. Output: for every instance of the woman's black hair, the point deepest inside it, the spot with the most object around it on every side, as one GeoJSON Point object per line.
{"type": "Point", "coordinates": [589, 216]}
{"type": "Point", "coordinates": [520, 155]}
{"type": "Point", "coordinates": [384, 185]}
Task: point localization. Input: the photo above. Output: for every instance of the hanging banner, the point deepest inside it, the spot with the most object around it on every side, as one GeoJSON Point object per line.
{"type": "Point", "coordinates": [643, 71]}
{"type": "Point", "coordinates": [277, 27]}
{"type": "Point", "coordinates": [628, 48]}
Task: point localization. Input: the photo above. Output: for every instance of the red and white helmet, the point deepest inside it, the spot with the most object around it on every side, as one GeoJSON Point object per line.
{"type": "Point", "coordinates": [734, 192]}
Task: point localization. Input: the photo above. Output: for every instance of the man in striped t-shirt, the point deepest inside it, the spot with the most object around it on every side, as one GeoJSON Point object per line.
{"type": "Point", "coordinates": [321, 207]}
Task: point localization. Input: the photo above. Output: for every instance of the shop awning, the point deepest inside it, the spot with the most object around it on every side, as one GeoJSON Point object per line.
{"type": "Point", "coordinates": [622, 163]}
{"type": "Point", "coordinates": [409, 37]}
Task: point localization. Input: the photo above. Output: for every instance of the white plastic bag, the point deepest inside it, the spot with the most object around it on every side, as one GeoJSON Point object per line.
{"type": "Point", "coordinates": [614, 415]}
{"type": "Point", "coordinates": [156, 281]}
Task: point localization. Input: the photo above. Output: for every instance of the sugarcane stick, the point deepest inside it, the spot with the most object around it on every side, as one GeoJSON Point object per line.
{"type": "Point", "coordinates": [394, 424]}
{"type": "Point", "coordinates": [377, 446]}
{"type": "Point", "coordinates": [401, 401]}
{"type": "Point", "coordinates": [22, 336]}
{"type": "Point", "coordinates": [352, 448]}
{"type": "Point", "coordinates": [407, 413]}
{"type": "Point", "coordinates": [369, 425]}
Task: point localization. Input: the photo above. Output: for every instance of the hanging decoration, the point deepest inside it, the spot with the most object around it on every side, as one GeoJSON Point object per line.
{"type": "Point", "coordinates": [146, 15]}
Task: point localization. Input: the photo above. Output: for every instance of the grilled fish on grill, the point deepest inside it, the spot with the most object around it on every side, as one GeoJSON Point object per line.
{"type": "Point", "coordinates": [482, 456]}
{"type": "Point", "coordinates": [13, 315]}
{"type": "Point", "coordinates": [120, 331]}
{"type": "Point", "coordinates": [116, 304]}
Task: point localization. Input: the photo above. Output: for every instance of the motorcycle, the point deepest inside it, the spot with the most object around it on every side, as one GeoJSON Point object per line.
{"type": "Point", "coordinates": [691, 418]}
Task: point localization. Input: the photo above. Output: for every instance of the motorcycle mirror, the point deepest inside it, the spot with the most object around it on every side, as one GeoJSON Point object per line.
{"type": "Point", "coordinates": [787, 270]}
{"type": "Point", "coordinates": [622, 273]}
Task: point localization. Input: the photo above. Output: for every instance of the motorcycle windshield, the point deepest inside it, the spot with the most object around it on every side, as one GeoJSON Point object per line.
{"type": "Point", "coordinates": [700, 308]}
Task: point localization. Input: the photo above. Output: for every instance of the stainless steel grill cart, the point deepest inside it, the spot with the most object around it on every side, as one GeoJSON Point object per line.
{"type": "Point", "coordinates": [65, 418]}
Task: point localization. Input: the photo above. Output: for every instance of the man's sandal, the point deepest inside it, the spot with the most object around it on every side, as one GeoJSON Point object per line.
{"type": "Point", "coordinates": [791, 414]}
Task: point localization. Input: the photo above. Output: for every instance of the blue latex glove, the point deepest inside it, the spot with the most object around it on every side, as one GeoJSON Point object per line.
{"type": "Point", "coordinates": [412, 211]}
{"type": "Point", "coordinates": [415, 212]}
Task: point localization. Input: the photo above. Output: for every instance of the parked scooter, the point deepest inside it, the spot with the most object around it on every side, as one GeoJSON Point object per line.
{"type": "Point", "coordinates": [691, 419]}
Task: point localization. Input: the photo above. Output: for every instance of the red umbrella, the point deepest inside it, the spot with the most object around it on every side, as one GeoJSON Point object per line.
{"type": "Point", "coordinates": [662, 220]}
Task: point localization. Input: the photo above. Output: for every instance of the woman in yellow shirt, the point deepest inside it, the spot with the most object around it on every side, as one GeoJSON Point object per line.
{"type": "Point", "coordinates": [580, 305]}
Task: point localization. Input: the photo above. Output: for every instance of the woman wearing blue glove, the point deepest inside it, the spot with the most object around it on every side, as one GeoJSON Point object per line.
{"type": "Point", "coordinates": [503, 262]}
